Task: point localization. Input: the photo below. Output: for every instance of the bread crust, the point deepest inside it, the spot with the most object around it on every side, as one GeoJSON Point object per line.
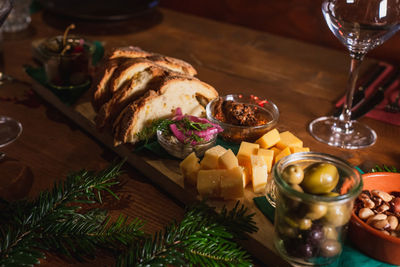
{"type": "Point", "coordinates": [128, 52]}
{"type": "Point", "coordinates": [100, 82]}
{"type": "Point", "coordinates": [132, 90]}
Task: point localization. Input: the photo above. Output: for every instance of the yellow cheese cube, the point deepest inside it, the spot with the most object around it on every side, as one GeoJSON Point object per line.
{"type": "Point", "coordinates": [299, 149]}
{"type": "Point", "coordinates": [259, 173]}
{"type": "Point", "coordinates": [269, 139]}
{"type": "Point", "coordinates": [190, 166]}
{"type": "Point", "coordinates": [209, 182]}
{"type": "Point", "coordinates": [246, 175]}
{"type": "Point", "coordinates": [288, 140]}
{"type": "Point", "coordinates": [232, 183]}
{"type": "Point", "coordinates": [246, 149]}
{"type": "Point", "coordinates": [276, 150]}
{"type": "Point", "coordinates": [268, 156]}
{"type": "Point", "coordinates": [285, 152]}
{"type": "Point", "coordinates": [211, 156]}
{"type": "Point", "coordinates": [228, 160]}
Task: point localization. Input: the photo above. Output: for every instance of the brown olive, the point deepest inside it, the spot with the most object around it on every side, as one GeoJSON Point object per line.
{"type": "Point", "coordinates": [320, 178]}
{"type": "Point", "coordinates": [337, 215]}
{"type": "Point", "coordinates": [316, 211]}
{"type": "Point", "coordinates": [330, 248]}
{"type": "Point", "coordinates": [293, 174]}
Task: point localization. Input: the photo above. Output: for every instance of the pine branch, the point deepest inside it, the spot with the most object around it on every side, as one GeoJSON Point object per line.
{"type": "Point", "coordinates": [55, 222]}
{"type": "Point", "coordinates": [384, 168]}
{"type": "Point", "coordinates": [52, 221]}
{"type": "Point", "coordinates": [200, 239]}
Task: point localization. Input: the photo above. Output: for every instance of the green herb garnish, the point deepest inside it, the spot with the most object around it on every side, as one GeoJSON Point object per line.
{"type": "Point", "coordinates": [185, 126]}
{"type": "Point", "coordinates": [149, 131]}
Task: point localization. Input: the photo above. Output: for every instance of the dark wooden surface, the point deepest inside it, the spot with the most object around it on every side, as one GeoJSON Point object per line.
{"type": "Point", "coordinates": [298, 19]}
{"type": "Point", "coordinates": [302, 79]}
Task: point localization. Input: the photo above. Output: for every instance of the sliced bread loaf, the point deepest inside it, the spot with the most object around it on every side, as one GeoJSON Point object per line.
{"type": "Point", "coordinates": [173, 91]}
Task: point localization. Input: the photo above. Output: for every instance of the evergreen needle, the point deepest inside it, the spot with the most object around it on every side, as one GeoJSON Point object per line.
{"type": "Point", "coordinates": [55, 222]}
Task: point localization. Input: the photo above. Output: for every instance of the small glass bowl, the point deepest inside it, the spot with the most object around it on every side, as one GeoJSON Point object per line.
{"type": "Point", "coordinates": [67, 71]}
{"type": "Point", "coordinates": [236, 133]}
{"type": "Point", "coordinates": [180, 150]}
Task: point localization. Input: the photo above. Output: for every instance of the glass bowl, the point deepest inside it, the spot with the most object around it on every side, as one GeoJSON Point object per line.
{"type": "Point", "coordinates": [310, 229]}
{"type": "Point", "coordinates": [237, 133]}
{"type": "Point", "coordinates": [180, 150]}
{"type": "Point", "coordinates": [68, 70]}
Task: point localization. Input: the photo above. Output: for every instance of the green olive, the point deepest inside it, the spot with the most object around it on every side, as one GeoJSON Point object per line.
{"type": "Point", "coordinates": [293, 174]}
{"type": "Point", "coordinates": [337, 215]}
{"type": "Point", "coordinates": [316, 211]}
{"type": "Point", "coordinates": [304, 224]}
{"type": "Point", "coordinates": [331, 194]}
{"type": "Point", "coordinates": [287, 231]}
{"type": "Point", "coordinates": [320, 178]}
{"type": "Point", "coordinates": [330, 248]}
{"type": "Point", "coordinates": [297, 187]}
{"type": "Point", "coordinates": [330, 232]}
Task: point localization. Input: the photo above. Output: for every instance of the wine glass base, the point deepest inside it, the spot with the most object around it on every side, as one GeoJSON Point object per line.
{"type": "Point", "coordinates": [10, 130]}
{"type": "Point", "coordinates": [331, 131]}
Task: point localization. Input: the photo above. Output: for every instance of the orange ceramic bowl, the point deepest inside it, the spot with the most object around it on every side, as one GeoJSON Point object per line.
{"type": "Point", "coordinates": [367, 239]}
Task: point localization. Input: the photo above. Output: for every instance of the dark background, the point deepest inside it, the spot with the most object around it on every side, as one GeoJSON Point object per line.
{"type": "Point", "coordinates": [299, 19]}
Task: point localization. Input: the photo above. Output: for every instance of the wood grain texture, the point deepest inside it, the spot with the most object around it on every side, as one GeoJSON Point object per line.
{"type": "Point", "coordinates": [303, 80]}
{"type": "Point", "coordinates": [298, 19]}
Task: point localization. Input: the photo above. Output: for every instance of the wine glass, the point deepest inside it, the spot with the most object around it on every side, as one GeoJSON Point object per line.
{"type": "Point", "coordinates": [10, 129]}
{"type": "Point", "coordinates": [360, 25]}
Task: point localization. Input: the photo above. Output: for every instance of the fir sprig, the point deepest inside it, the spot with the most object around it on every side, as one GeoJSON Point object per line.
{"type": "Point", "coordinates": [203, 238]}
{"type": "Point", "coordinates": [53, 221]}
{"type": "Point", "coordinates": [56, 222]}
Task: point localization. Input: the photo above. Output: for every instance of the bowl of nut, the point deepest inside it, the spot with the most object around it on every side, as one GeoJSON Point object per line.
{"type": "Point", "coordinates": [374, 225]}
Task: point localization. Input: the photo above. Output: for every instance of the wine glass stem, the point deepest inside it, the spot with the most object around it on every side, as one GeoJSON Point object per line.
{"type": "Point", "coordinates": [345, 116]}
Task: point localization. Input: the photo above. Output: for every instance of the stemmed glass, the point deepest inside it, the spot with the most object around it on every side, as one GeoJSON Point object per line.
{"type": "Point", "coordinates": [10, 129]}
{"type": "Point", "coordinates": [360, 25]}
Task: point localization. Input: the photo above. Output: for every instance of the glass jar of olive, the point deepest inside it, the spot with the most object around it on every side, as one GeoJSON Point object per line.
{"type": "Point", "coordinates": [314, 200]}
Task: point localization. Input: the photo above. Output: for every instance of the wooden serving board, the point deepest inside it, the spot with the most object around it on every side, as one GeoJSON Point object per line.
{"type": "Point", "coordinates": [165, 173]}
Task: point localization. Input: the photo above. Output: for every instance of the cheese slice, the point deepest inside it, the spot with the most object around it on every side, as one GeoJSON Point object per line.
{"type": "Point", "coordinates": [211, 156]}
{"type": "Point", "coordinates": [287, 139]}
{"type": "Point", "coordinates": [190, 166]}
{"type": "Point", "coordinates": [268, 156]}
{"type": "Point", "coordinates": [209, 182]}
{"type": "Point", "coordinates": [246, 149]}
{"type": "Point", "coordinates": [269, 139]}
{"type": "Point", "coordinates": [228, 160]}
{"type": "Point", "coordinates": [259, 173]}
{"type": "Point", "coordinates": [232, 183]}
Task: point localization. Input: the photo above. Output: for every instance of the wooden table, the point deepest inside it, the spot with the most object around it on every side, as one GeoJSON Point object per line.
{"type": "Point", "coordinates": [302, 79]}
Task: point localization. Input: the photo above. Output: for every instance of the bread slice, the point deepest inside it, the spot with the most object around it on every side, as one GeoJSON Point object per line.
{"type": "Point", "coordinates": [173, 91]}
{"type": "Point", "coordinates": [129, 52]}
{"type": "Point", "coordinates": [100, 82]}
{"type": "Point", "coordinates": [132, 90]}
{"type": "Point", "coordinates": [171, 63]}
